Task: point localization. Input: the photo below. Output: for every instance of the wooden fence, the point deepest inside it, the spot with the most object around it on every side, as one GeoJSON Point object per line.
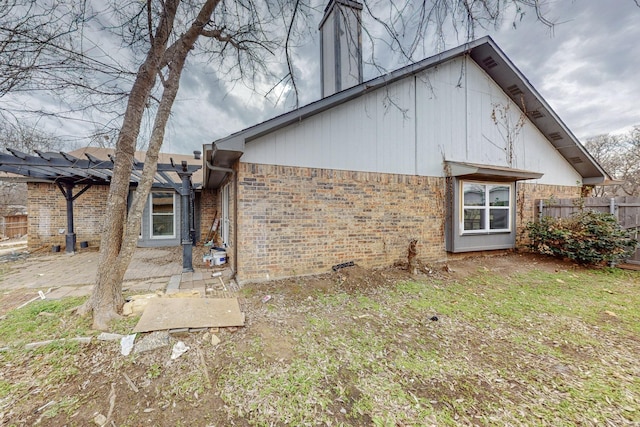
{"type": "Point", "coordinates": [625, 209]}
{"type": "Point", "coordinates": [13, 226]}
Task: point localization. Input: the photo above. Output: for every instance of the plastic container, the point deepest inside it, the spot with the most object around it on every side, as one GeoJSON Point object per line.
{"type": "Point", "coordinates": [219, 258]}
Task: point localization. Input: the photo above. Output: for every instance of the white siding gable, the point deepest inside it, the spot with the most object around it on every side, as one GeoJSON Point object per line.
{"type": "Point", "coordinates": [375, 132]}
{"type": "Point", "coordinates": [453, 111]}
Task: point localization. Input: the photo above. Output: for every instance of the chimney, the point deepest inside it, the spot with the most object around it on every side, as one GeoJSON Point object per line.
{"type": "Point", "coordinates": [341, 46]}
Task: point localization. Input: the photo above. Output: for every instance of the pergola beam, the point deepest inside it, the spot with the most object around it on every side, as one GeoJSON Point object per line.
{"type": "Point", "coordinates": [67, 161]}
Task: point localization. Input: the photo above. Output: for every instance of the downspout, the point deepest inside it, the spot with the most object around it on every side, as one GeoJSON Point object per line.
{"type": "Point", "coordinates": [235, 225]}
{"type": "Point", "coordinates": [415, 125]}
{"type": "Point", "coordinates": [465, 60]}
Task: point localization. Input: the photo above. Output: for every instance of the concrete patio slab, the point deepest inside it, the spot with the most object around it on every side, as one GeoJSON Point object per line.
{"type": "Point", "coordinates": [151, 269]}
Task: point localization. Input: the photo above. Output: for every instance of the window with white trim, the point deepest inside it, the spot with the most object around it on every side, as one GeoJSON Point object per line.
{"type": "Point", "coordinates": [486, 207]}
{"type": "Point", "coordinates": [163, 218]}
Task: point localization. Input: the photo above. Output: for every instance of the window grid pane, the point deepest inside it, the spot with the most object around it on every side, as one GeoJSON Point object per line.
{"type": "Point", "coordinates": [486, 207]}
{"type": "Point", "coordinates": [162, 215]}
{"type": "Point", "coordinates": [498, 195]}
{"type": "Point", "coordinates": [474, 219]}
{"type": "Point", "coordinates": [498, 219]}
{"type": "Point", "coordinates": [474, 195]}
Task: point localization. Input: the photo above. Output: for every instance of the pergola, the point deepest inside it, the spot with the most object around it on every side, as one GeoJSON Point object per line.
{"type": "Point", "coordinates": [68, 172]}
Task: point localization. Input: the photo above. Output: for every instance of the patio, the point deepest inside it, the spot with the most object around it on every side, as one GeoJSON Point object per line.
{"type": "Point", "coordinates": [61, 275]}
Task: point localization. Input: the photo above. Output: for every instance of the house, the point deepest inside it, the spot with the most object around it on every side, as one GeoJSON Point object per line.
{"type": "Point", "coordinates": [451, 151]}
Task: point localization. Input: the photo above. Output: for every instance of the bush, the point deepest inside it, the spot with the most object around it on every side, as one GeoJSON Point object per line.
{"type": "Point", "coordinates": [586, 237]}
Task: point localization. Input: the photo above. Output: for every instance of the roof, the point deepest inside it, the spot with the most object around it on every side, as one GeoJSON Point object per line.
{"type": "Point", "coordinates": [93, 166]}
{"type": "Point", "coordinates": [496, 173]}
{"type": "Point", "coordinates": [222, 153]}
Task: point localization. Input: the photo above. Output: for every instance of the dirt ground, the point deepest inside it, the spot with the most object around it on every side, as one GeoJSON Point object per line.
{"type": "Point", "coordinates": [142, 389]}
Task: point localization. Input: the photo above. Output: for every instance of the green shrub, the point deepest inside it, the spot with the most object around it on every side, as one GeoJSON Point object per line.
{"type": "Point", "coordinates": [586, 237]}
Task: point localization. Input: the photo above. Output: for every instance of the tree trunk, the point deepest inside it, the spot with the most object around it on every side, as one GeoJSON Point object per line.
{"type": "Point", "coordinates": [119, 240]}
{"type": "Point", "coordinates": [106, 299]}
{"type": "Point", "coordinates": [171, 86]}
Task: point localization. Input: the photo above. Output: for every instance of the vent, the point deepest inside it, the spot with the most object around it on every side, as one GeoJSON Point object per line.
{"type": "Point", "coordinates": [576, 160]}
{"type": "Point", "coordinates": [514, 90]}
{"type": "Point", "coordinates": [489, 62]}
{"type": "Point", "coordinates": [555, 136]}
{"type": "Point", "coordinates": [536, 114]}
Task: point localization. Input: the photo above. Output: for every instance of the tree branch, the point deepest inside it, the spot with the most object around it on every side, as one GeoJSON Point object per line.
{"type": "Point", "coordinates": [149, 24]}
{"type": "Point", "coordinates": [218, 35]}
{"type": "Point", "coordinates": [288, 53]}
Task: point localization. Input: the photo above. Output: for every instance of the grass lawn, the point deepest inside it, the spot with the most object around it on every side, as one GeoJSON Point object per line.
{"type": "Point", "coordinates": [536, 347]}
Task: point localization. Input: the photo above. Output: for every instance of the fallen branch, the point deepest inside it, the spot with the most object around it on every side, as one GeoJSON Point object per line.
{"type": "Point", "coordinates": [46, 405]}
{"type": "Point", "coordinates": [204, 367]}
{"type": "Point", "coordinates": [131, 384]}
{"type": "Point", "coordinates": [112, 401]}
{"type": "Point", "coordinates": [81, 340]}
{"type": "Point", "coordinates": [41, 295]}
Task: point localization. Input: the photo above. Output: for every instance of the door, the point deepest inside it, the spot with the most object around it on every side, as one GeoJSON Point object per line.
{"type": "Point", "coordinates": [225, 215]}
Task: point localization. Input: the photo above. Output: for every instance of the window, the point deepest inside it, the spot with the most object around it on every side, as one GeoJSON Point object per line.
{"type": "Point", "coordinates": [162, 215]}
{"type": "Point", "coordinates": [486, 208]}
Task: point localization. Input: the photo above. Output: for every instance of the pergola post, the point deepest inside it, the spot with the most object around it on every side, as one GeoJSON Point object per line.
{"type": "Point", "coordinates": [67, 191]}
{"type": "Point", "coordinates": [187, 241]}
{"type": "Point", "coordinates": [70, 237]}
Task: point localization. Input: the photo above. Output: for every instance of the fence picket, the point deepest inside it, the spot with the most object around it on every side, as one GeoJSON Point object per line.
{"type": "Point", "coordinates": [13, 226]}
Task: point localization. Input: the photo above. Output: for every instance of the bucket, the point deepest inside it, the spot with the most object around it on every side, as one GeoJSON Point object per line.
{"type": "Point", "coordinates": [219, 258]}
{"type": "Point", "coordinates": [207, 260]}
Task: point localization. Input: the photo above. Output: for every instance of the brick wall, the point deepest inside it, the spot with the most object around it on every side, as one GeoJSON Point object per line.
{"type": "Point", "coordinates": [208, 208]}
{"type": "Point", "coordinates": [47, 209]}
{"type": "Point", "coordinates": [294, 221]}
{"type": "Point", "coordinates": [526, 206]}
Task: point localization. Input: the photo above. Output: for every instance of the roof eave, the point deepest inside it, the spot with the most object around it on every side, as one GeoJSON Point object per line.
{"type": "Point", "coordinates": [498, 173]}
{"type": "Point", "coordinates": [516, 86]}
{"type": "Point", "coordinates": [523, 94]}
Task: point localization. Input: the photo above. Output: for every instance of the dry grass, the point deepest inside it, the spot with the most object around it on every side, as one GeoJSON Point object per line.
{"type": "Point", "coordinates": [536, 347]}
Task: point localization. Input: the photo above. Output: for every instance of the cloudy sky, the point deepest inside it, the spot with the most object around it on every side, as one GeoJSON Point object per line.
{"type": "Point", "coordinates": [587, 68]}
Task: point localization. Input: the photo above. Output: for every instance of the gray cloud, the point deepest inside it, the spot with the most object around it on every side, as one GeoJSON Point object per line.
{"type": "Point", "coordinates": [587, 68]}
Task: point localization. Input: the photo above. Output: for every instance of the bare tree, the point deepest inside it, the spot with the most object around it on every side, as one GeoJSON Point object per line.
{"type": "Point", "coordinates": [620, 156]}
{"type": "Point", "coordinates": [104, 54]}
{"type": "Point", "coordinates": [25, 138]}
{"type": "Point", "coordinates": [165, 60]}
{"type": "Point", "coordinates": [49, 50]}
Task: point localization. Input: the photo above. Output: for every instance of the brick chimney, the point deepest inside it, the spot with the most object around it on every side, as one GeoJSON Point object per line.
{"type": "Point", "coordinates": [341, 46]}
